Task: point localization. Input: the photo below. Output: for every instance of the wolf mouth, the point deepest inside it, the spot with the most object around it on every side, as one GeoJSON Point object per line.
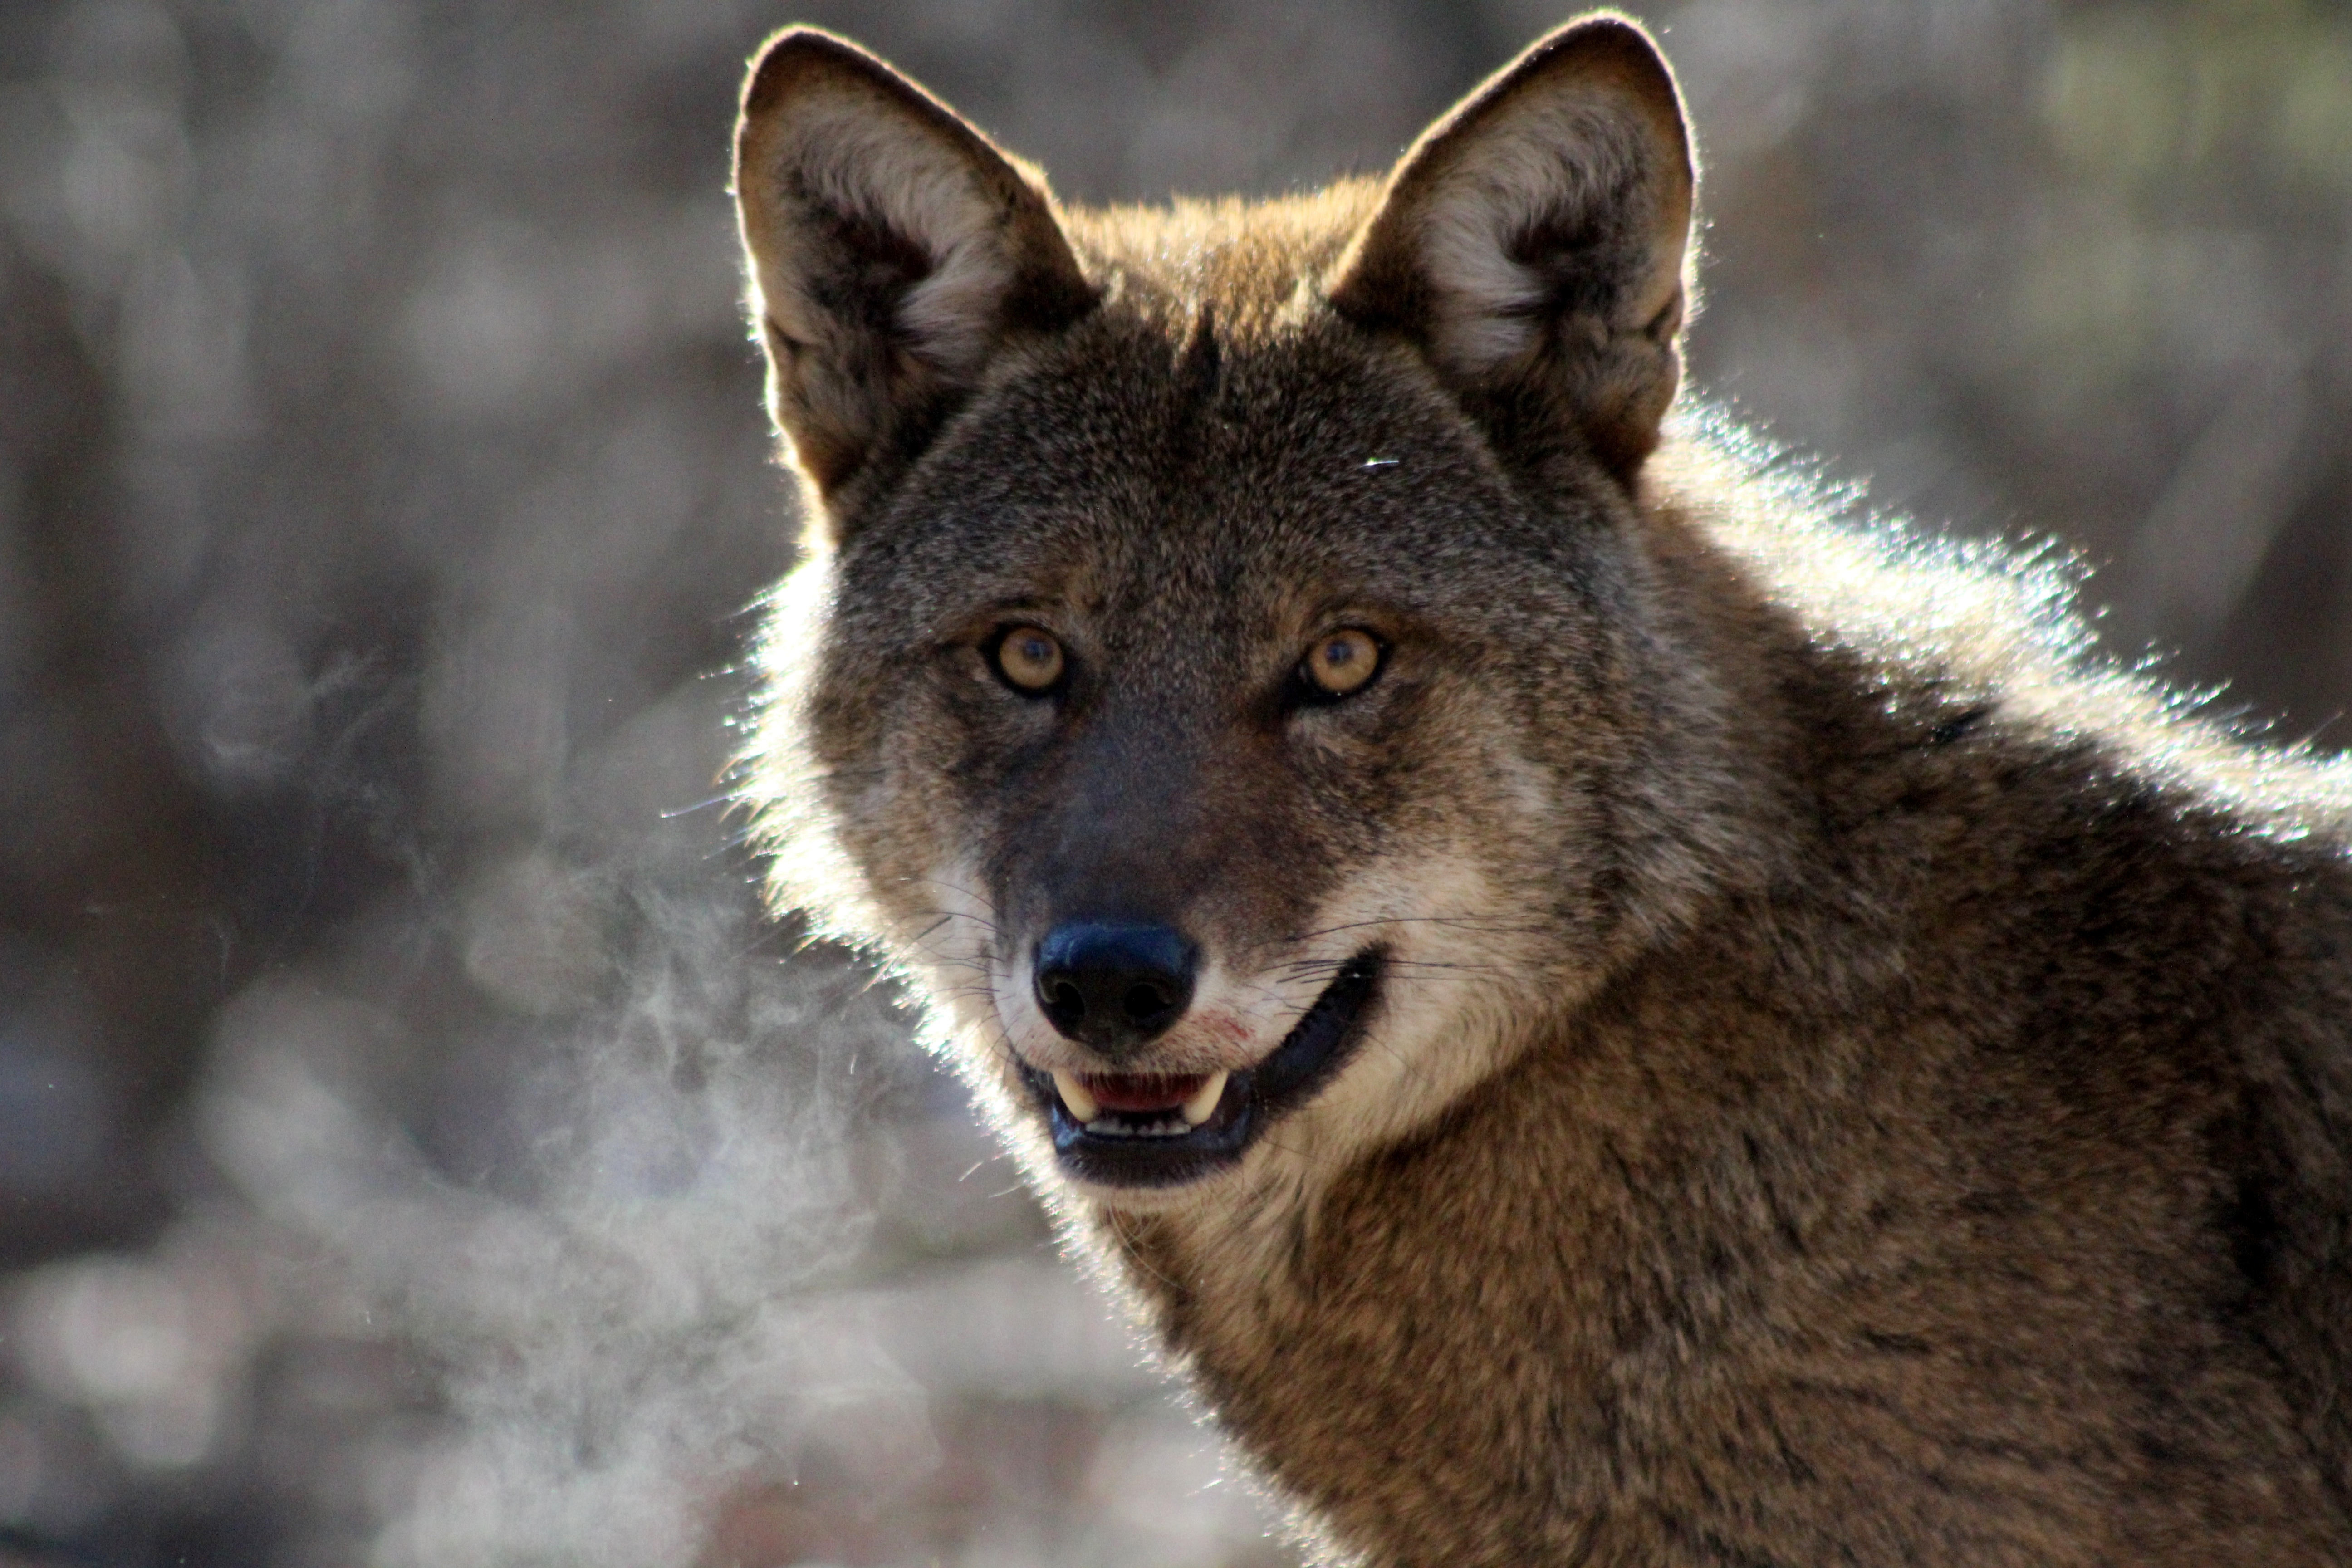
{"type": "Point", "coordinates": [1146, 1130]}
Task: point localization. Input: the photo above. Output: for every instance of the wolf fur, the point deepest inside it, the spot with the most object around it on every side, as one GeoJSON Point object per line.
{"type": "Point", "coordinates": [1850, 1077]}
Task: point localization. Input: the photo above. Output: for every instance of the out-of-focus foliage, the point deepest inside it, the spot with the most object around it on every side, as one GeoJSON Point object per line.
{"type": "Point", "coordinates": [412, 1147]}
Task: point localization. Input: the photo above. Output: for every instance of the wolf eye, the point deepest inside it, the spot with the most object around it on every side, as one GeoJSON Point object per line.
{"type": "Point", "coordinates": [1342, 662]}
{"type": "Point", "coordinates": [1030, 659]}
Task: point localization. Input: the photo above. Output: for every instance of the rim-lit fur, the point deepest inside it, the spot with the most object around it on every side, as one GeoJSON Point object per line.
{"type": "Point", "coordinates": [1851, 1079]}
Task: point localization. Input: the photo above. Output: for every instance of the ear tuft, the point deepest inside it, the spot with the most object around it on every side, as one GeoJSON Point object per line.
{"type": "Point", "coordinates": [1535, 239]}
{"type": "Point", "coordinates": [892, 251]}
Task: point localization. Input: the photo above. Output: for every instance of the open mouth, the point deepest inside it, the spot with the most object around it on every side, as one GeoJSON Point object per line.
{"type": "Point", "coordinates": [1137, 1130]}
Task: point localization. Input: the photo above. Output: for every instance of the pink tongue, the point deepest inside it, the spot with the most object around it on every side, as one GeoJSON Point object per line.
{"type": "Point", "coordinates": [1137, 1091]}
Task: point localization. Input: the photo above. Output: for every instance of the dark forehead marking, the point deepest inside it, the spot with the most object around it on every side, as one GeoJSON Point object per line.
{"type": "Point", "coordinates": [1203, 357]}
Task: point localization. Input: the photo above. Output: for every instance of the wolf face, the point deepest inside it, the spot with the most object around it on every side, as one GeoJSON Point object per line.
{"type": "Point", "coordinates": [1213, 653]}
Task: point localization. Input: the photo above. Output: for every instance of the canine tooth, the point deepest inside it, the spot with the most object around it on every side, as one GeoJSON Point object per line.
{"type": "Point", "coordinates": [1204, 1105]}
{"type": "Point", "coordinates": [1082, 1107]}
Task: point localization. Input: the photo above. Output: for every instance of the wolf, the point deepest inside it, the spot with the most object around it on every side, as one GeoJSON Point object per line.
{"type": "Point", "coordinates": [1601, 1010]}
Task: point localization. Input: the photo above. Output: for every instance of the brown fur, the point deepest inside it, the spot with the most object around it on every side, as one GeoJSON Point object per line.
{"type": "Point", "coordinates": [1852, 1080]}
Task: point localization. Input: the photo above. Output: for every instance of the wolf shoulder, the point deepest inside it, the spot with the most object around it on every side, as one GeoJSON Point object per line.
{"type": "Point", "coordinates": [1999, 836]}
{"type": "Point", "coordinates": [1953, 737]}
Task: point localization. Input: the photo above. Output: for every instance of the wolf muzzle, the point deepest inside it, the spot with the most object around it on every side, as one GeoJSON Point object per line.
{"type": "Point", "coordinates": [1145, 1129]}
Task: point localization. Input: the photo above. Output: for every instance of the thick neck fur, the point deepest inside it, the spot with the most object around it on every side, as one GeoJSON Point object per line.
{"type": "Point", "coordinates": [1806, 1161]}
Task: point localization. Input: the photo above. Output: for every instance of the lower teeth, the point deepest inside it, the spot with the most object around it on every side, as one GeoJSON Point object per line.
{"type": "Point", "coordinates": [1166, 1127]}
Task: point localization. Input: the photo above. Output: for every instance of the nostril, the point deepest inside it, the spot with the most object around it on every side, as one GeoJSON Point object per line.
{"type": "Point", "coordinates": [1143, 1001]}
{"type": "Point", "coordinates": [1066, 1004]}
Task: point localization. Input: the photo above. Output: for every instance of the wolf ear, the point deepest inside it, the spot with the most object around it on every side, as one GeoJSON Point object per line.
{"type": "Point", "coordinates": [1534, 240]}
{"type": "Point", "coordinates": [892, 251]}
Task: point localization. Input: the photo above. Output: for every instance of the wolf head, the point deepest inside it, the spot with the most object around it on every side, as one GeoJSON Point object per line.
{"type": "Point", "coordinates": [1225, 670]}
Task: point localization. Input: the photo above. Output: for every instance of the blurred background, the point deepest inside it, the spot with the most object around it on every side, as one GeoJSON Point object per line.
{"type": "Point", "coordinates": [414, 1148]}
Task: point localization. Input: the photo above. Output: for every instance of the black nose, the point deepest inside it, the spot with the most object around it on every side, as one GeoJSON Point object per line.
{"type": "Point", "coordinates": [1113, 985]}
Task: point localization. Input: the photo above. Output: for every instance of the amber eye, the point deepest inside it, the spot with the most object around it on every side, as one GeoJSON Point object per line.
{"type": "Point", "coordinates": [1342, 662]}
{"type": "Point", "coordinates": [1030, 659]}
